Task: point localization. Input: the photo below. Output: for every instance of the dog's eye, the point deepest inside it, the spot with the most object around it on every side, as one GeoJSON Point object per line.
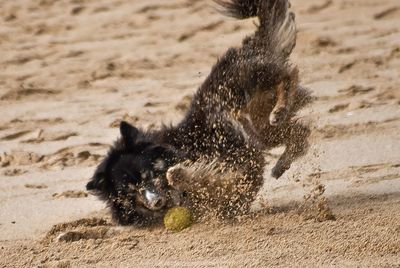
{"type": "Point", "coordinates": [132, 178]}
{"type": "Point", "coordinates": [136, 179]}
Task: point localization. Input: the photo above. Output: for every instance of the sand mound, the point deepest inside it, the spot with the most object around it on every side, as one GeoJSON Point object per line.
{"type": "Point", "coordinates": [79, 229]}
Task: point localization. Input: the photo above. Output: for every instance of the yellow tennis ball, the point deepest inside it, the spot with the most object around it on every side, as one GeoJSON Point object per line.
{"type": "Point", "coordinates": [178, 218]}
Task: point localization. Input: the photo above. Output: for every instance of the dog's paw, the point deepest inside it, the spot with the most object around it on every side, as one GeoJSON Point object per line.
{"type": "Point", "coordinates": [279, 169]}
{"type": "Point", "coordinates": [176, 177]}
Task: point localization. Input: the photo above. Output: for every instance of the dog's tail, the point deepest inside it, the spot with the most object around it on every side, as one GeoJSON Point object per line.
{"type": "Point", "coordinates": [277, 28]}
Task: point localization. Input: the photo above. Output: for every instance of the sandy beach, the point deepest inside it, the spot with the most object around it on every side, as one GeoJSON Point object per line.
{"type": "Point", "coordinates": [71, 70]}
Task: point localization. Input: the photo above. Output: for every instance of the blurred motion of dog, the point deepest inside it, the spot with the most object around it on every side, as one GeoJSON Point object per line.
{"type": "Point", "coordinates": [244, 107]}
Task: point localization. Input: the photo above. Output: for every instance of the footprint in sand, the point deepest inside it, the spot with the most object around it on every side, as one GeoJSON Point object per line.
{"type": "Point", "coordinates": [365, 173]}
{"type": "Point", "coordinates": [70, 194]}
{"type": "Point", "coordinates": [77, 10]}
{"type": "Point", "coordinates": [39, 136]}
{"type": "Point", "coordinates": [17, 122]}
{"type": "Point", "coordinates": [74, 53]}
{"type": "Point", "coordinates": [154, 7]}
{"type": "Point", "coordinates": [193, 32]}
{"type": "Point", "coordinates": [363, 104]}
{"type": "Point", "coordinates": [10, 17]}
{"type": "Point", "coordinates": [324, 42]}
{"type": "Point", "coordinates": [14, 172]}
{"type": "Point", "coordinates": [68, 156]}
{"type": "Point", "coordinates": [19, 158]}
{"type": "Point", "coordinates": [36, 186]}
{"type": "Point", "coordinates": [152, 104]}
{"type": "Point", "coordinates": [72, 156]}
{"type": "Point", "coordinates": [24, 92]}
{"type": "Point", "coordinates": [317, 8]}
{"type": "Point", "coordinates": [348, 130]}
{"type": "Point", "coordinates": [355, 90]}
{"type": "Point", "coordinates": [389, 95]}
{"type": "Point", "coordinates": [27, 57]}
{"type": "Point", "coordinates": [15, 135]}
{"type": "Point", "coordinates": [395, 53]}
{"type": "Point", "coordinates": [338, 107]}
{"type": "Point", "coordinates": [31, 128]}
{"type": "Point", "coordinates": [60, 159]}
{"type": "Point", "coordinates": [391, 12]}
{"type": "Point", "coordinates": [101, 9]}
{"type": "Point", "coordinates": [347, 66]}
{"type": "Point", "coordinates": [42, 136]}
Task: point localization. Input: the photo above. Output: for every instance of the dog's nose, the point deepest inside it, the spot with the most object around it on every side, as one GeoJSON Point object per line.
{"type": "Point", "coordinates": [273, 121]}
{"type": "Point", "coordinates": [155, 201]}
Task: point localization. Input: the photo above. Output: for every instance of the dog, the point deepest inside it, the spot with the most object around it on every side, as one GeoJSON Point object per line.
{"type": "Point", "coordinates": [245, 106]}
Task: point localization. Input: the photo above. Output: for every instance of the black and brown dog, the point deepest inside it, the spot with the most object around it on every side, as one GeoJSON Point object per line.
{"type": "Point", "coordinates": [244, 107]}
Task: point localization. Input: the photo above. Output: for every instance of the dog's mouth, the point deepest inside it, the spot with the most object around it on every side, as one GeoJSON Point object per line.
{"type": "Point", "coordinates": [175, 197]}
{"type": "Point", "coordinates": [150, 214]}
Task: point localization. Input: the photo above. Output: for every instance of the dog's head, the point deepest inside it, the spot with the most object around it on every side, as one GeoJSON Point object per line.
{"type": "Point", "coordinates": [132, 178]}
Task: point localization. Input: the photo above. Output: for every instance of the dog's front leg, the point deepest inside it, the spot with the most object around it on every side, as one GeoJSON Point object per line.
{"type": "Point", "coordinates": [285, 95]}
{"type": "Point", "coordinates": [281, 108]}
{"type": "Point", "coordinates": [296, 139]}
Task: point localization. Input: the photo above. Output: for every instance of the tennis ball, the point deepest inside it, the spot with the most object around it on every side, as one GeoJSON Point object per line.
{"type": "Point", "coordinates": [178, 218]}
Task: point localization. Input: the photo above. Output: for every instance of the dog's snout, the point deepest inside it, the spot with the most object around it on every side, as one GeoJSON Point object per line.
{"type": "Point", "coordinates": [274, 120]}
{"type": "Point", "coordinates": [155, 201]}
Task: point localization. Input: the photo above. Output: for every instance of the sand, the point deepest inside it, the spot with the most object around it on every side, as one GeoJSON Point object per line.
{"type": "Point", "coordinates": [72, 69]}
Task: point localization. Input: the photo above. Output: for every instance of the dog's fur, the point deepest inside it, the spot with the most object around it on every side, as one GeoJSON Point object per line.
{"type": "Point", "coordinates": [243, 108]}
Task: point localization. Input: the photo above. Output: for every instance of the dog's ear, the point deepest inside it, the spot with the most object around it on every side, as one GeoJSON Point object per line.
{"type": "Point", "coordinates": [97, 183]}
{"type": "Point", "coordinates": [128, 132]}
